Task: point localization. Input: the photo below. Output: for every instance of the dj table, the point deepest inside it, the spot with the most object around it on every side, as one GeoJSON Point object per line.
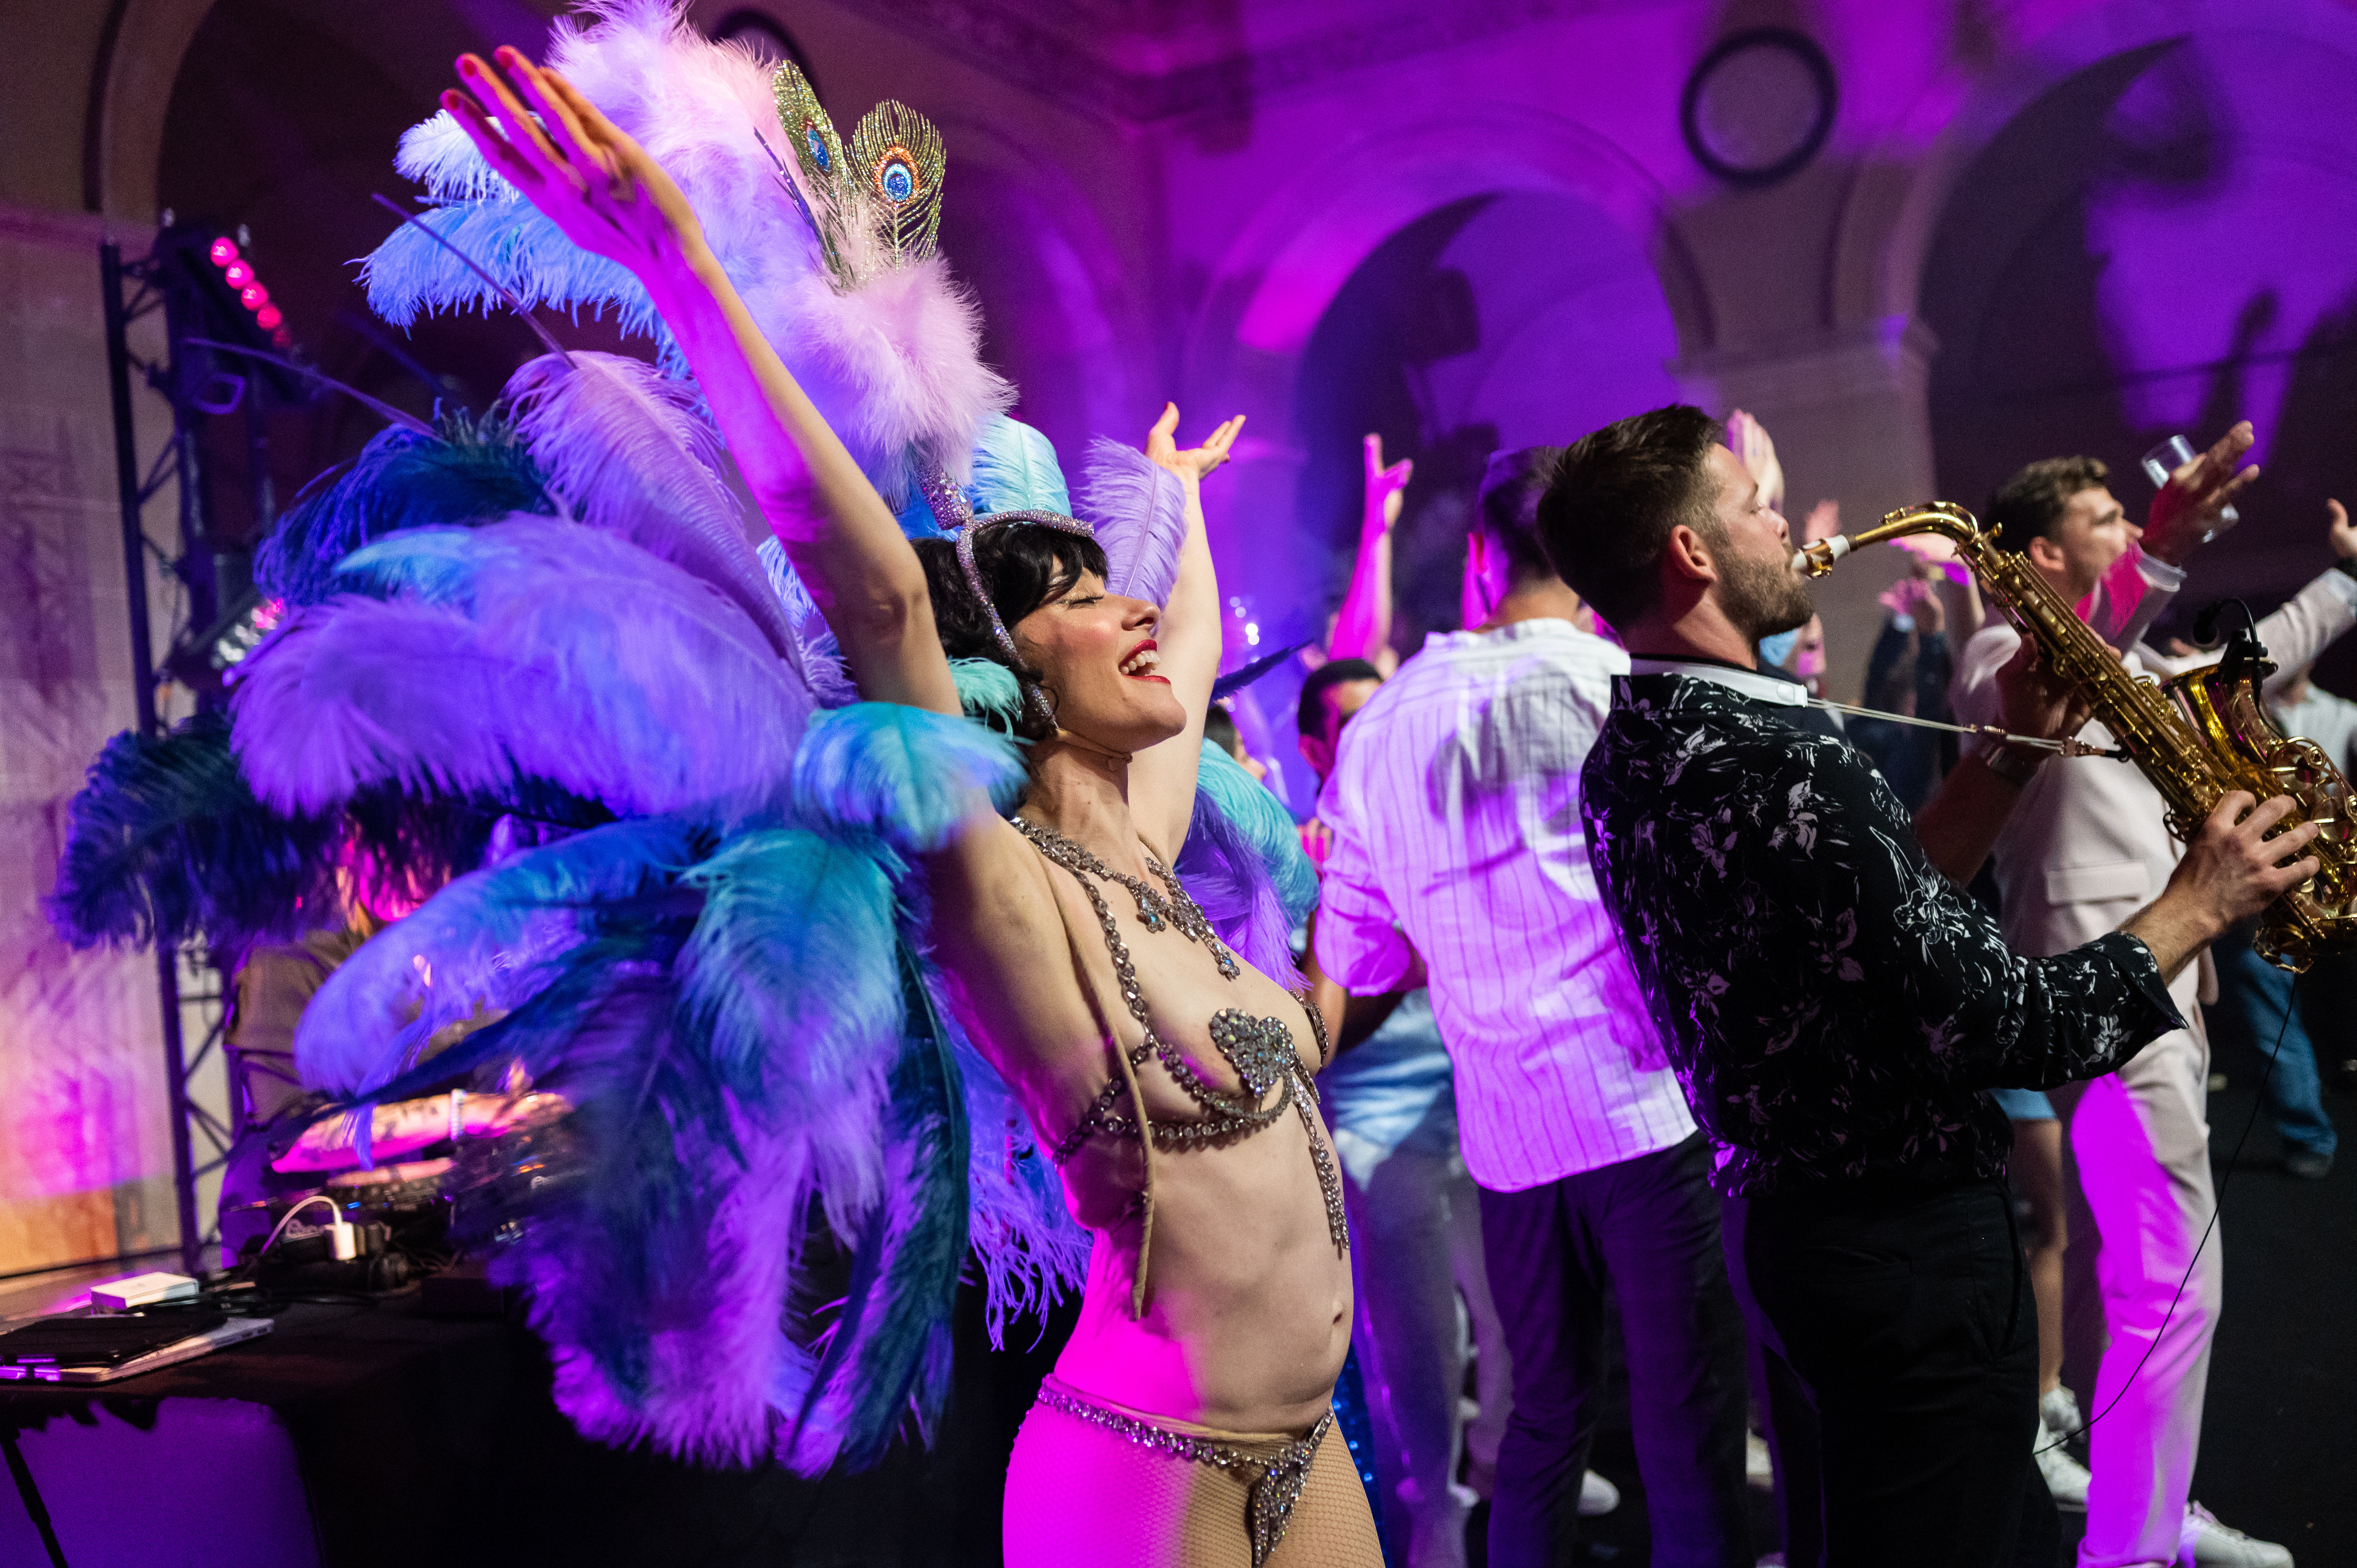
{"type": "Point", "coordinates": [361, 1434]}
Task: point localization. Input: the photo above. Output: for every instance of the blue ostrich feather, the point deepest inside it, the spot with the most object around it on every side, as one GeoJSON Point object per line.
{"type": "Point", "coordinates": [1243, 864]}
{"type": "Point", "coordinates": [469, 472]}
{"type": "Point", "coordinates": [788, 980]}
{"type": "Point", "coordinates": [487, 941]}
{"type": "Point", "coordinates": [409, 275]}
{"type": "Point", "coordinates": [1014, 469]}
{"type": "Point", "coordinates": [531, 649]}
{"type": "Point", "coordinates": [911, 776]}
{"type": "Point", "coordinates": [988, 692]}
{"type": "Point", "coordinates": [888, 1352]}
{"type": "Point", "coordinates": [165, 842]}
{"type": "Point", "coordinates": [1030, 1248]}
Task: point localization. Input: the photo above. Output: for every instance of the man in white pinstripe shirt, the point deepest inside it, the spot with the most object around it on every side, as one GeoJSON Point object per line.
{"type": "Point", "coordinates": [1455, 811]}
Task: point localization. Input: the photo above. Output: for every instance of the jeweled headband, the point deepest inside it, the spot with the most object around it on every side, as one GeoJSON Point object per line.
{"type": "Point", "coordinates": [955, 515]}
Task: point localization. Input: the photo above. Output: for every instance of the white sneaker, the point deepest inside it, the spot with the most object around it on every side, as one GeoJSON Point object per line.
{"type": "Point", "coordinates": [2066, 1479]}
{"type": "Point", "coordinates": [1597, 1496]}
{"type": "Point", "coordinates": [2206, 1544]}
{"type": "Point", "coordinates": [2058, 1412]}
{"type": "Point", "coordinates": [1758, 1464]}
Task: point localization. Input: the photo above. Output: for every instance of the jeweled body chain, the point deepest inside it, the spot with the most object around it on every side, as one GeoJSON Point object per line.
{"type": "Point", "coordinates": [1276, 1482]}
{"type": "Point", "coordinates": [1260, 1050]}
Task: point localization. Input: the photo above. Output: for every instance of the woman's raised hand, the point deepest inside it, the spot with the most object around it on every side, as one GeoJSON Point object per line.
{"type": "Point", "coordinates": [593, 181]}
{"type": "Point", "coordinates": [1162, 445]}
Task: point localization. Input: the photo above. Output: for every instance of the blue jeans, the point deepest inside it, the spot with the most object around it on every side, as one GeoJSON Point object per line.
{"type": "Point", "coordinates": [2255, 1002]}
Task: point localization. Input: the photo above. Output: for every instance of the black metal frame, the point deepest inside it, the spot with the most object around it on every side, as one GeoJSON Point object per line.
{"type": "Point", "coordinates": [131, 290]}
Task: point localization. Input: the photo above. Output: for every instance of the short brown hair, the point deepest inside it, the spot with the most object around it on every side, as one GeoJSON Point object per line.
{"type": "Point", "coordinates": [1614, 495]}
{"type": "Point", "coordinates": [1507, 513]}
{"type": "Point", "coordinates": [2030, 504]}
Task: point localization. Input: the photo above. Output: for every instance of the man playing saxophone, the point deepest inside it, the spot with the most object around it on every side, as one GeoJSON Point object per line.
{"type": "Point", "coordinates": [1833, 1002]}
{"type": "Point", "coordinates": [2087, 847]}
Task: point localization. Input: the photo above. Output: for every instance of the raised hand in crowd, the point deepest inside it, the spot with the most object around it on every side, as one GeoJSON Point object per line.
{"type": "Point", "coordinates": [1362, 627]}
{"type": "Point", "coordinates": [2185, 511]}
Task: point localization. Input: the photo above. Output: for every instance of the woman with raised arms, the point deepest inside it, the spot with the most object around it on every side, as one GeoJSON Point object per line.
{"type": "Point", "coordinates": [1186, 1421]}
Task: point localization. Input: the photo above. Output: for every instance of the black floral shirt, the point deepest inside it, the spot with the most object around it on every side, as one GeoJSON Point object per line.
{"type": "Point", "coordinates": [1833, 1003]}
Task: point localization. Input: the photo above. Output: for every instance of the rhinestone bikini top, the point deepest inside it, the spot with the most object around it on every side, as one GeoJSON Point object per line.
{"type": "Point", "coordinates": [1261, 1050]}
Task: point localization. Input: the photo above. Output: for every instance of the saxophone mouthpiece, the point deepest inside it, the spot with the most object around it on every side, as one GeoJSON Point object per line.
{"type": "Point", "coordinates": [1816, 560]}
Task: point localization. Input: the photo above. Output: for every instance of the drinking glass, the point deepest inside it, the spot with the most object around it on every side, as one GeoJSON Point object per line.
{"type": "Point", "coordinates": [2166, 458]}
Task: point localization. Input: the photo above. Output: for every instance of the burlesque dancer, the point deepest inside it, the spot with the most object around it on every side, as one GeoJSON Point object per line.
{"type": "Point", "coordinates": [1187, 1419]}
{"type": "Point", "coordinates": [1838, 1006]}
{"type": "Point", "coordinates": [2088, 845]}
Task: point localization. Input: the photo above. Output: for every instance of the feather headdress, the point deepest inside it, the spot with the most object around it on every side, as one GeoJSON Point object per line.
{"type": "Point", "coordinates": [838, 270]}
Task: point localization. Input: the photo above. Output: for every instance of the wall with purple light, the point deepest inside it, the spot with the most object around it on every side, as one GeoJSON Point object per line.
{"type": "Point", "coordinates": [2058, 225]}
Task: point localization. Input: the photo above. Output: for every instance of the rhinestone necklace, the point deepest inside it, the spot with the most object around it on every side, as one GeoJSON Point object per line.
{"type": "Point", "coordinates": [1153, 911]}
{"type": "Point", "coordinates": [1259, 1049]}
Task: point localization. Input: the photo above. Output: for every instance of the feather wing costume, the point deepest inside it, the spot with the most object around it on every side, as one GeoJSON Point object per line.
{"type": "Point", "coordinates": [707, 939]}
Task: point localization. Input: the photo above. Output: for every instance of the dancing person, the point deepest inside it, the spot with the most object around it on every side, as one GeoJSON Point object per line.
{"type": "Point", "coordinates": [1362, 624]}
{"type": "Point", "coordinates": [1907, 674]}
{"type": "Point", "coordinates": [1452, 807]}
{"type": "Point", "coordinates": [1415, 1224]}
{"type": "Point", "coordinates": [2088, 844]}
{"type": "Point", "coordinates": [1391, 1102]}
{"type": "Point", "coordinates": [1185, 1419]}
{"type": "Point", "coordinates": [1836, 1004]}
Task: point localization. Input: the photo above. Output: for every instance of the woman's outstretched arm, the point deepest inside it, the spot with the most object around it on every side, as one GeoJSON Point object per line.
{"type": "Point", "coordinates": [611, 198]}
{"type": "Point", "coordinates": [1162, 779]}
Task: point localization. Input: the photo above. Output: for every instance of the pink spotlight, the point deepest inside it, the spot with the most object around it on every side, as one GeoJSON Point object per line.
{"type": "Point", "coordinates": [268, 318]}
{"type": "Point", "coordinates": [238, 274]}
{"type": "Point", "coordinates": [223, 251]}
{"type": "Point", "coordinates": [253, 297]}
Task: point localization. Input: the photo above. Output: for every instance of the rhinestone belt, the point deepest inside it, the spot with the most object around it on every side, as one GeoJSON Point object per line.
{"type": "Point", "coordinates": [1275, 1483]}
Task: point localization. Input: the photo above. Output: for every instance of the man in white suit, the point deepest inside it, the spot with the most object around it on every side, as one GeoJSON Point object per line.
{"type": "Point", "coordinates": [2085, 849]}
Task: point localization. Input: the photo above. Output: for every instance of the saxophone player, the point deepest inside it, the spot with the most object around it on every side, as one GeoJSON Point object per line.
{"type": "Point", "coordinates": [2087, 847]}
{"type": "Point", "coordinates": [1836, 1005]}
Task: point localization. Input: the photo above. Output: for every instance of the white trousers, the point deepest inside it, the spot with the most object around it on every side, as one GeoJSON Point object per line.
{"type": "Point", "coordinates": [1416, 1244]}
{"type": "Point", "coordinates": [2140, 1145]}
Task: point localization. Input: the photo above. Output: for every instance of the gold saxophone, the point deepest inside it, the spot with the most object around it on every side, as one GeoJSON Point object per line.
{"type": "Point", "coordinates": [2198, 737]}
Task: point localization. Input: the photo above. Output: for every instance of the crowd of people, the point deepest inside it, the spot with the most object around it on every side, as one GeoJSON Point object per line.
{"type": "Point", "coordinates": [1450, 847]}
{"type": "Point", "coordinates": [1562, 953]}
{"type": "Point", "coordinates": [1640, 982]}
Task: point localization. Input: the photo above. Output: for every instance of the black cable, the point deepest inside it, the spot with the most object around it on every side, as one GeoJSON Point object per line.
{"type": "Point", "coordinates": [2217, 1203]}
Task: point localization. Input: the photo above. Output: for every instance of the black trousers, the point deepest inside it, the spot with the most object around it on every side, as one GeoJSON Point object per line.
{"type": "Point", "coordinates": [1649, 1229]}
{"type": "Point", "coordinates": [1897, 1322]}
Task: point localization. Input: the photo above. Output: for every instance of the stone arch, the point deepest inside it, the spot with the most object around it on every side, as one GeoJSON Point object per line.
{"type": "Point", "coordinates": [130, 95]}
{"type": "Point", "coordinates": [1285, 264]}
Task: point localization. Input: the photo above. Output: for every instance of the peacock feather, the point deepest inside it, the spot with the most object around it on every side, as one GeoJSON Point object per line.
{"type": "Point", "coordinates": [818, 153]}
{"type": "Point", "coordinates": [898, 154]}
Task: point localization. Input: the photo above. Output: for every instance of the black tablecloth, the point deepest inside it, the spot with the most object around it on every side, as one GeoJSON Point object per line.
{"type": "Point", "coordinates": [354, 1435]}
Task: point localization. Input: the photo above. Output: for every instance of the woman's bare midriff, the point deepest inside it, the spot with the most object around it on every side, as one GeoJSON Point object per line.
{"type": "Point", "coordinates": [1248, 1309]}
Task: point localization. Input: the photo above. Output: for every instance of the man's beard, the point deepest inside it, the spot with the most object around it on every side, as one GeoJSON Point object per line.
{"type": "Point", "coordinates": [1763, 599]}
